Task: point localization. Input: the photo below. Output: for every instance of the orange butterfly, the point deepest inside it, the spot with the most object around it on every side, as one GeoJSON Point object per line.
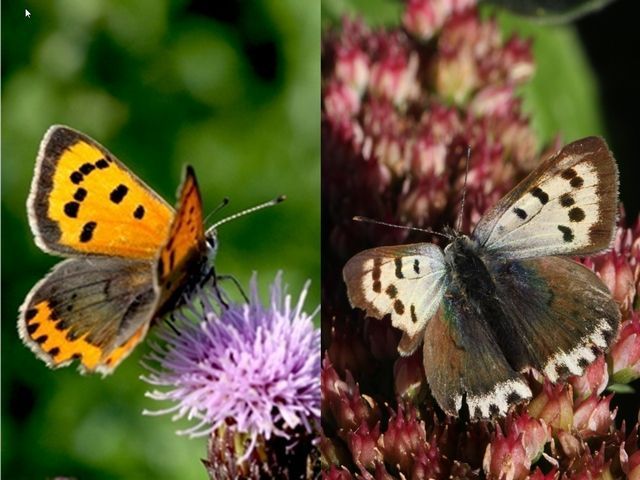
{"type": "Point", "coordinates": [132, 256]}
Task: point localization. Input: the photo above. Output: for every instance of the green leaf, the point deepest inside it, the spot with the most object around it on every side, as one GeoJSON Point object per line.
{"type": "Point", "coordinates": [562, 98]}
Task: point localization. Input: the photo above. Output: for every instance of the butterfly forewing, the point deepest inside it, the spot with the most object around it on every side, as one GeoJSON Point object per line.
{"type": "Point", "coordinates": [406, 282]}
{"type": "Point", "coordinates": [83, 200]}
{"type": "Point", "coordinates": [567, 206]}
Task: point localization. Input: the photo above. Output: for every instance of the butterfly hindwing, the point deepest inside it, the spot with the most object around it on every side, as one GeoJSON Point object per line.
{"type": "Point", "coordinates": [83, 200]}
{"type": "Point", "coordinates": [462, 360]}
{"type": "Point", "coordinates": [557, 315]}
{"type": "Point", "coordinates": [185, 249]}
{"type": "Point", "coordinates": [93, 309]}
{"type": "Point", "coordinates": [404, 281]}
{"type": "Point", "coordinates": [566, 206]}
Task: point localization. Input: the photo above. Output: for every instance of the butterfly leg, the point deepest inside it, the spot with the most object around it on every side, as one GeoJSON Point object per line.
{"type": "Point", "coordinates": [210, 274]}
{"type": "Point", "coordinates": [170, 321]}
{"type": "Point", "coordinates": [237, 284]}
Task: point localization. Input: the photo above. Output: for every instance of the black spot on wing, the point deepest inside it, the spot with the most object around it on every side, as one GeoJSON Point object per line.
{"type": "Point", "coordinates": [41, 339]}
{"type": "Point", "coordinates": [80, 194]}
{"type": "Point", "coordinates": [494, 409]}
{"type": "Point", "coordinates": [87, 231]}
{"type": "Point", "coordinates": [520, 213]}
{"type": "Point", "coordinates": [567, 233]}
{"type": "Point", "coordinates": [568, 174]}
{"type": "Point", "coordinates": [118, 193]}
{"type": "Point", "coordinates": [562, 370]}
{"type": "Point", "coordinates": [392, 291]}
{"type": "Point", "coordinates": [398, 262]}
{"type": "Point", "coordinates": [414, 317]}
{"type": "Point", "coordinates": [576, 214]}
{"type": "Point", "coordinates": [398, 306]}
{"type": "Point", "coordinates": [76, 178]}
{"type": "Point", "coordinates": [139, 212]}
{"type": "Point", "coordinates": [54, 351]}
{"type": "Point", "coordinates": [71, 209]}
{"type": "Point", "coordinates": [102, 164]}
{"type": "Point", "coordinates": [416, 266]}
{"type": "Point", "coordinates": [540, 195]}
{"type": "Point", "coordinates": [576, 182]}
{"type": "Point", "coordinates": [29, 314]}
{"type": "Point", "coordinates": [87, 168]}
{"type": "Point", "coordinates": [32, 327]}
{"type": "Point", "coordinates": [513, 397]}
{"type": "Point", "coordinates": [376, 273]}
{"type": "Point", "coordinates": [566, 200]}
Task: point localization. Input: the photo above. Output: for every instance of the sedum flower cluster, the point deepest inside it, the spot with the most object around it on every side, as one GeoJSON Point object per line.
{"type": "Point", "coordinates": [400, 106]}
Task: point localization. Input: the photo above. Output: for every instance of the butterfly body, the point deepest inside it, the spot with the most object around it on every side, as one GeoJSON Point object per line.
{"type": "Point", "coordinates": [500, 302]}
{"type": "Point", "coordinates": [132, 257]}
{"type": "Point", "coordinates": [467, 272]}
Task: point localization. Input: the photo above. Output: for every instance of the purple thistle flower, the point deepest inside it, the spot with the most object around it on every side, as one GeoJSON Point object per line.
{"type": "Point", "coordinates": [251, 367]}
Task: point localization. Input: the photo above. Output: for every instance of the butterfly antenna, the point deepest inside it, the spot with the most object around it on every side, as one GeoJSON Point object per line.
{"type": "Point", "coordinates": [242, 213]}
{"type": "Point", "coordinates": [358, 218]}
{"type": "Point", "coordinates": [464, 190]}
{"type": "Point", "coordinates": [223, 203]}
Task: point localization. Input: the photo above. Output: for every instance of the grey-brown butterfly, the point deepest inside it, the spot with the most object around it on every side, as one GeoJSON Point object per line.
{"type": "Point", "coordinates": [504, 300]}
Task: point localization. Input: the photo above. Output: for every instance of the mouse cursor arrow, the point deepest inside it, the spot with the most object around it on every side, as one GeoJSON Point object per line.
{"type": "Point", "coordinates": [27, 13]}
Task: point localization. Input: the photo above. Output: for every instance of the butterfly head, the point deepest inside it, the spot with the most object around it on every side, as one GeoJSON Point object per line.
{"type": "Point", "coordinates": [211, 240]}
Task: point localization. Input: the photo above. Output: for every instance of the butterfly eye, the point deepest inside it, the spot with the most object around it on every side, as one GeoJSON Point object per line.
{"type": "Point", "coordinates": [211, 239]}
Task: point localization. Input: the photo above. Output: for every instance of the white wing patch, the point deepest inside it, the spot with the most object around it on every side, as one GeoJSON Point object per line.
{"type": "Point", "coordinates": [406, 282]}
{"type": "Point", "coordinates": [576, 359]}
{"type": "Point", "coordinates": [497, 401]}
{"type": "Point", "coordinates": [554, 217]}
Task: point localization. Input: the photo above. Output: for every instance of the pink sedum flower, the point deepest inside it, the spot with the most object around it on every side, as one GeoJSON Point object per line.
{"type": "Point", "coordinates": [506, 457]}
{"type": "Point", "coordinates": [352, 68]}
{"type": "Point", "coordinates": [363, 443]}
{"type": "Point", "coordinates": [593, 381]}
{"type": "Point", "coordinates": [594, 417]}
{"type": "Point", "coordinates": [625, 354]}
{"type": "Point", "coordinates": [554, 405]}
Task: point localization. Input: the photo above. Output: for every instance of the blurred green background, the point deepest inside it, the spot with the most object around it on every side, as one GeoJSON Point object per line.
{"type": "Point", "coordinates": [232, 88]}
